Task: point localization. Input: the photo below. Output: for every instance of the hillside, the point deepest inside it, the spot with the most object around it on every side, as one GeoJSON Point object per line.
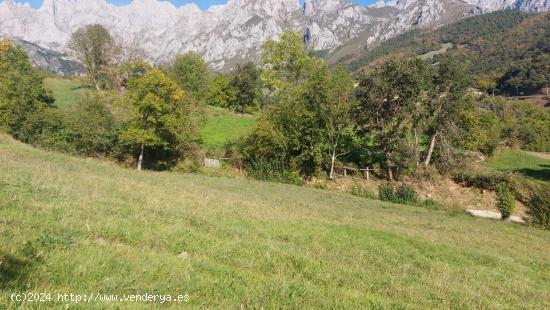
{"type": "Point", "coordinates": [489, 45]}
{"type": "Point", "coordinates": [81, 226]}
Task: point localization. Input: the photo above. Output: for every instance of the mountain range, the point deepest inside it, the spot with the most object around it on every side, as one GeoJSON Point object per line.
{"type": "Point", "coordinates": [234, 32]}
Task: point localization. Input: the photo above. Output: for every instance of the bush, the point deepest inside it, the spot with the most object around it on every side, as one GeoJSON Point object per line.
{"type": "Point", "coordinates": [505, 200]}
{"type": "Point", "coordinates": [402, 194]}
{"type": "Point", "coordinates": [520, 186]}
{"type": "Point", "coordinates": [273, 171]}
{"type": "Point", "coordinates": [188, 165]}
{"type": "Point", "coordinates": [386, 192]}
{"type": "Point", "coordinates": [483, 180]}
{"type": "Point", "coordinates": [539, 207]}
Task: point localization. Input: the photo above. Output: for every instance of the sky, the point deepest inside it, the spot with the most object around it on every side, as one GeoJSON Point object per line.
{"type": "Point", "coordinates": [204, 4]}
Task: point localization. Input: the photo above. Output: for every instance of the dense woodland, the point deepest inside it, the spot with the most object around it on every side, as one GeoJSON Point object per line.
{"type": "Point", "coordinates": [508, 48]}
{"type": "Point", "coordinates": [408, 117]}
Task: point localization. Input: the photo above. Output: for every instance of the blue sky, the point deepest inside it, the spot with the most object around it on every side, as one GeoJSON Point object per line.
{"type": "Point", "coordinates": [204, 4]}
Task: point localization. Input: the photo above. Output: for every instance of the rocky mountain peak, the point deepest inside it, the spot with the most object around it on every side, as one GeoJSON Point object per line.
{"type": "Point", "coordinates": [234, 32]}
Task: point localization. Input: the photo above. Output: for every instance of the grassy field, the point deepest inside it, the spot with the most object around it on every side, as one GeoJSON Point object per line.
{"type": "Point", "coordinates": [66, 92]}
{"type": "Point", "coordinates": [80, 226]}
{"type": "Point", "coordinates": [521, 162]}
{"type": "Point", "coordinates": [223, 125]}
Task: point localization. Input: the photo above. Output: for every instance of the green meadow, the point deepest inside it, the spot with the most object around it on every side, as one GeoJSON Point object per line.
{"type": "Point", "coordinates": [66, 92]}
{"type": "Point", "coordinates": [521, 162]}
{"type": "Point", "coordinates": [82, 226]}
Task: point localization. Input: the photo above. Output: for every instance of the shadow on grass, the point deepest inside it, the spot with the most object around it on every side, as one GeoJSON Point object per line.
{"type": "Point", "coordinates": [81, 88]}
{"type": "Point", "coordinates": [15, 268]}
{"type": "Point", "coordinates": [539, 174]}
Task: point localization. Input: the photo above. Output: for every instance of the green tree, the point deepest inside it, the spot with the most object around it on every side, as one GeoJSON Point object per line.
{"type": "Point", "coordinates": [479, 131]}
{"type": "Point", "coordinates": [191, 73]}
{"type": "Point", "coordinates": [220, 93]}
{"type": "Point", "coordinates": [247, 87]}
{"type": "Point", "coordinates": [445, 105]}
{"type": "Point", "coordinates": [286, 63]}
{"type": "Point", "coordinates": [96, 49]}
{"type": "Point", "coordinates": [388, 97]}
{"type": "Point", "coordinates": [22, 94]}
{"type": "Point", "coordinates": [338, 126]}
{"type": "Point", "coordinates": [289, 131]}
{"type": "Point", "coordinates": [161, 117]}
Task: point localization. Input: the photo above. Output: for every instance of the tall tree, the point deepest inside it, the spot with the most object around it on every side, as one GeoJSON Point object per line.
{"type": "Point", "coordinates": [286, 63]}
{"type": "Point", "coordinates": [446, 103]}
{"type": "Point", "coordinates": [161, 117]}
{"type": "Point", "coordinates": [191, 73]}
{"type": "Point", "coordinates": [22, 93]}
{"type": "Point", "coordinates": [338, 126]}
{"type": "Point", "coordinates": [96, 49]}
{"type": "Point", "coordinates": [388, 97]}
{"type": "Point", "coordinates": [246, 84]}
{"type": "Point", "coordinates": [289, 130]}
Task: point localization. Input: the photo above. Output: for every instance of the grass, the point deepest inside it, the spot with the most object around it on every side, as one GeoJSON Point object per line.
{"type": "Point", "coordinates": [521, 162]}
{"type": "Point", "coordinates": [70, 225]}
{"type": "Point", "coordinates": [66, 92]}
{"type": "Point", "coordinates": [223, 125]}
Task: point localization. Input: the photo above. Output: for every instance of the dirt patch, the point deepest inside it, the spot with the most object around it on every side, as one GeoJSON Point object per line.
{"type": "Point", "coordinates": [496, 216]}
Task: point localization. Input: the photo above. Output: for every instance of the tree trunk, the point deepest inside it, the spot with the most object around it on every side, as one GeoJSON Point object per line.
{"type": "Point", "coordinates": [416, 152]}
{"type": "Point", "coordinates": [430, 150]}
{"type": "Point", "coordinates": [390, 171]}
{"type": "Point", "coordinates": [140, 160]}
{"type": "Point", "coordinates": [332, 160]}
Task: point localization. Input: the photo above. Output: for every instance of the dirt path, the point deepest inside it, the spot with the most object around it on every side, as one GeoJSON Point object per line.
{"type": "Point", "coordinates": [540, 155]}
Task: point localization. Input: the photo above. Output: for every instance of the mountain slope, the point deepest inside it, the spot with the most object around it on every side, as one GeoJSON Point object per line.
{"type": "Point", "coordinates": [82, 226]}
{"type": "Point", "coordinates": [488, 44]}
{"type": "Point", "coordinates": [49, 60]}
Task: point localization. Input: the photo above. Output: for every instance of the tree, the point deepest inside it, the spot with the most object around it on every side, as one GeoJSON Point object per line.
{"type": "Point", "coordinates": [96, 49]}
{"type": "Point", "coordinates": [246, 85]}
{"type": "Point", "coordinates": [338, 126]}
{"type": "Point", "coordinates": [289, 131]}
{"type": "Point", "coordinates": [220, 93]}
{"type": "Point", "coordinates": [191, 73]}
{"type": "Point", "coordinates": [129, 70]}
{"type": "Point", "coordinates": [286, 63]}
{"type": "Point", "coordinates": [388, 97]}
{"type": "Point", "coordinates": [161, 117]}
{"type": "Point", "coordinates": [22, 94]}
{"type": "Point", "coordinates": [446, 103]}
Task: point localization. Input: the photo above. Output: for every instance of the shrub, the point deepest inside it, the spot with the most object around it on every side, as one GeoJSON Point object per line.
{"type": "Point", "coordinates": [386, 192]}
{"type": "Point", "coordinates": [273, 171]}
{"type": "Point", "coordinates": [539, 207]}
{"type": "Point", "coordinates": [406, 194]}
{"type": "Point", "coordinates": [482, 180]}
{"type": "Point", "coordinates": [402, 194]}
{"type": "Point", "coordinates": [188, 165]}
{"type": "Point", "coordinates": [320, 184]}
{"type": "Point", "coordinates": [505, 200]}
{"type": "Point", "coordinates": [520, 186]}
